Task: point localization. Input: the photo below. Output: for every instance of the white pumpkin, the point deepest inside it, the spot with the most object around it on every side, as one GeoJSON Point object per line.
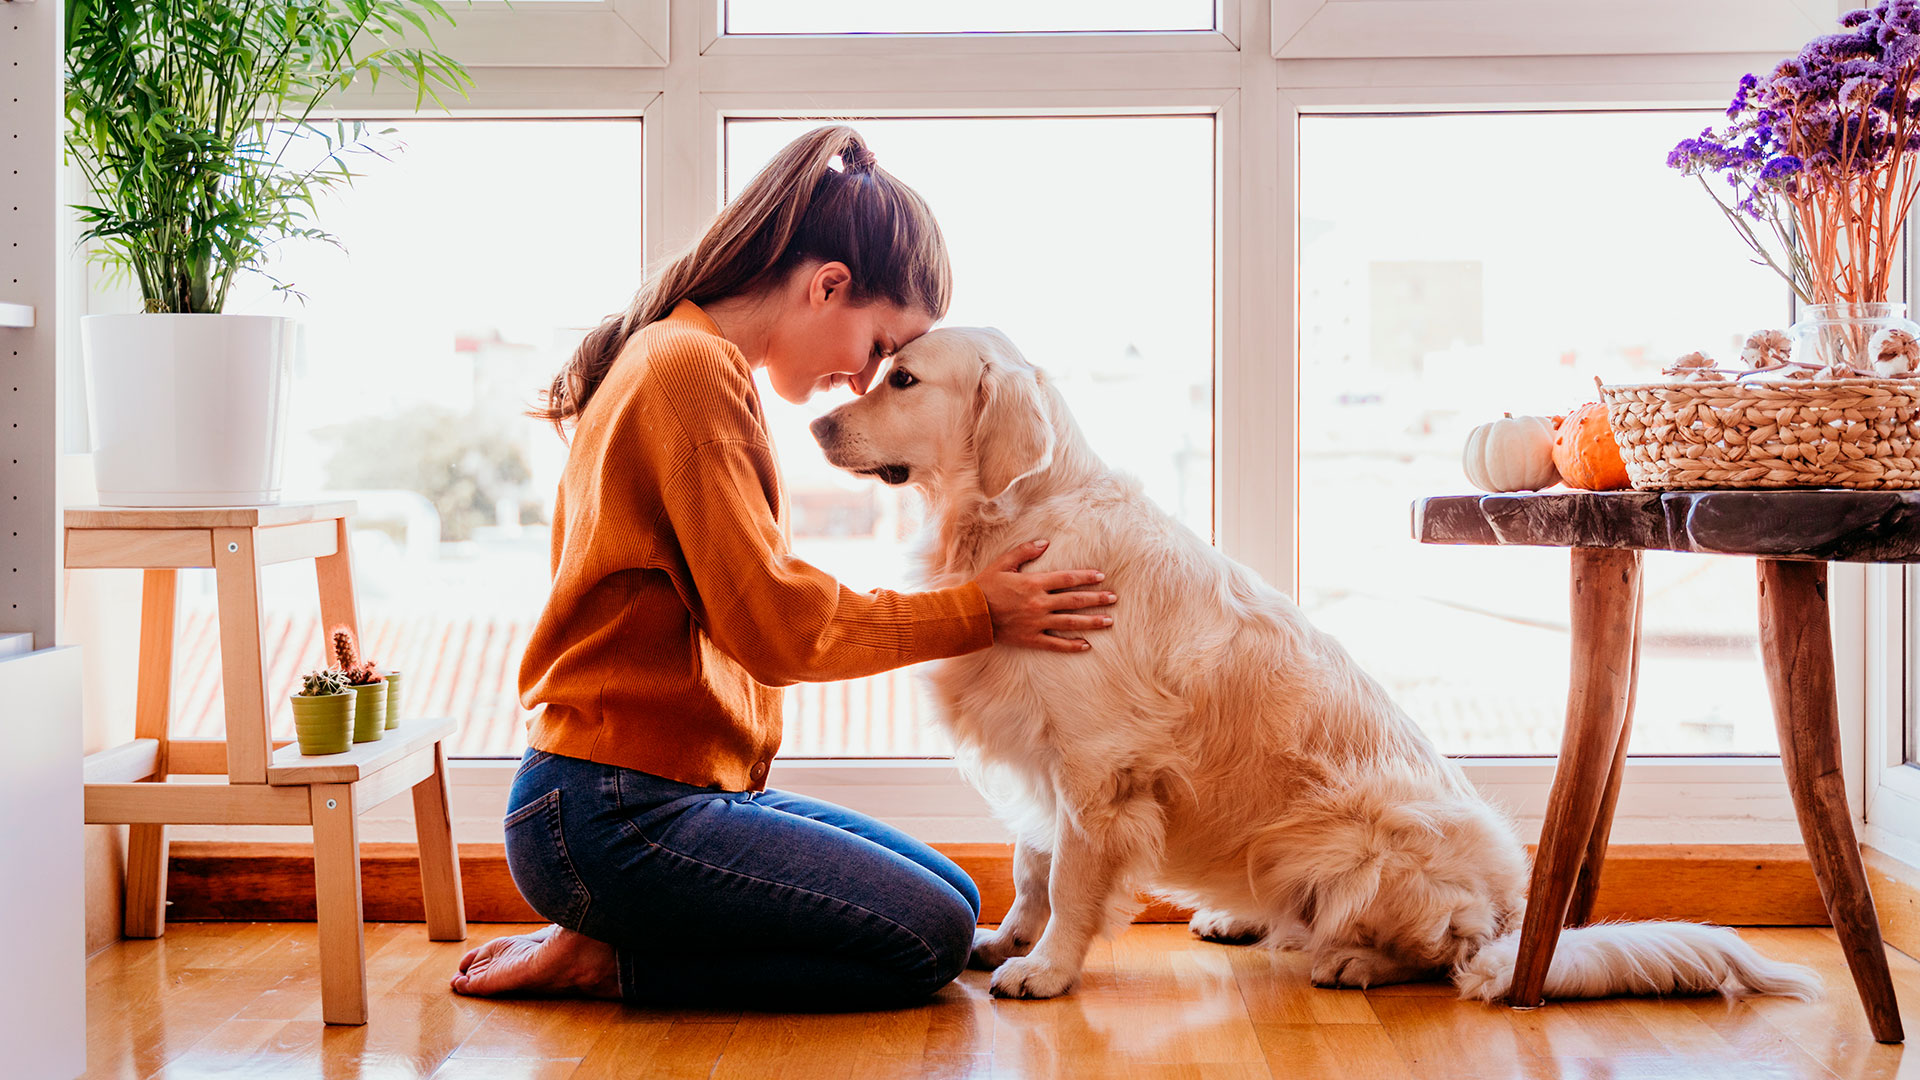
{"type": "Point", "coordinates": [1514, 454]}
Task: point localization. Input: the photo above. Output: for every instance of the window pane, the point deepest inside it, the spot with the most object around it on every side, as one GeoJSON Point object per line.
{"type": "Point", "coordinates": [1910, 741]}
{"type": "Point", "coordinates": [979, 16]}
{"type": "Point", "coordinates": [476, 258]}
{"type": "Point", "coordinates": [1089, 241]}
{"type": "Point", "coordinates": [1435, 298]}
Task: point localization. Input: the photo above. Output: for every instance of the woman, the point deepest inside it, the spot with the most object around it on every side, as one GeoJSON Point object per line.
{"type": "Point", "coordinates": [639, 822]}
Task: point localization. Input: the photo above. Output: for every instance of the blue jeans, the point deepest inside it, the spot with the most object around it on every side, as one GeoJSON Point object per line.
{"type": "Point", "coordinates": [736, 898]}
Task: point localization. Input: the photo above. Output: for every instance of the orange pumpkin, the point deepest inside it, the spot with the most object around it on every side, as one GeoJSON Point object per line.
{"type": "Point", "coordinates": [1585, 453]}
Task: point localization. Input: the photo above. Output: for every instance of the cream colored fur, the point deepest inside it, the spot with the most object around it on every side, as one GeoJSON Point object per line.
{"type": "Point", "coordinates": [1213, 747]}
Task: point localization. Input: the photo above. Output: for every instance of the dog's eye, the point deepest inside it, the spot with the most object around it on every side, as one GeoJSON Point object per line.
{"type": "Point", "coordinates": [901, 378]}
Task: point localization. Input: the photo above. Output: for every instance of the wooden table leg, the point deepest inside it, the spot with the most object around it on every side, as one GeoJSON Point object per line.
{"type": "Point", "coordinates": [439, 859]}
{"type": "Point", "coordinates": [1580, 910]}
{"type": "Point", "coordinates": [336, 881]}
{"type": "Point", "coordinates": [236, 579]}
{"type": "Point", "coordinates": [1604, 612]}
{"type": "Point", "coordinates": [334, 574]}
{"type": "Point", "coordinates": [1797, 644]}
{"type": "Point", "coordinates": [146, 901]}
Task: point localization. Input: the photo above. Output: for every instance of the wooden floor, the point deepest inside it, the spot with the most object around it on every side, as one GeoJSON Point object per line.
{"type": "Point", "coordinates": [243, 1000]}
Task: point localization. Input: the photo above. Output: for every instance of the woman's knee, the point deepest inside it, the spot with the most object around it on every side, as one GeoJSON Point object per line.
{"type": "Point", "coordinates": [970, 893]}
{"type": "Point", "coordinates": [948, 935]}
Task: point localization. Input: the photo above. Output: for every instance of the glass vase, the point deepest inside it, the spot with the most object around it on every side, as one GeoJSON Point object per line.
{"type": "Point", "coordinates": [1844, 332]}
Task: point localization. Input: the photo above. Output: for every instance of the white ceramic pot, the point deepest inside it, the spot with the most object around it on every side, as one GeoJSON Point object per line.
{"type": "Point", "coordinates": [187, 410]}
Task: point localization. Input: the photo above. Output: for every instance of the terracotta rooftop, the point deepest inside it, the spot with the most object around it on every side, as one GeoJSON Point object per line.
{"type": "Point", "coordinates": [468, 667]}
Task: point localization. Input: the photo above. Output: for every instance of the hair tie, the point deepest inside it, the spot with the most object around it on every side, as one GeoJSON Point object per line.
{"type": "Point", "coordinates": [857, 159]}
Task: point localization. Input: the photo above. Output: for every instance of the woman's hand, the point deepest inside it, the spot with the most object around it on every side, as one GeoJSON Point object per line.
{"type": "Point", "coordinates": [1025, 606]}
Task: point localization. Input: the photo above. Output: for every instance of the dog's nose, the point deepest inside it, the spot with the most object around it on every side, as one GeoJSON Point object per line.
{"type": "Point", "coordinates": [822, 429]}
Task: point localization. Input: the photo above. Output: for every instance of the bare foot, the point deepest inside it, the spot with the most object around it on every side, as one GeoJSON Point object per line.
{"type": "Point", "coordinates": [553, 961]}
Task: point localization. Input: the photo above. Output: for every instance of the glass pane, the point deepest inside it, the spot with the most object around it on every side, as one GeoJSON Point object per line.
{"type": "Point", "coordinates": [1436, 300]}
{"type": "Point", "coordinates": [977, 16]}
{"type": "Point", "coordinates": [476, 258]}
{"type": "Point", "coordinates": [1102, 274]}
{"type": "Point", "coordinates": [1910, 742]}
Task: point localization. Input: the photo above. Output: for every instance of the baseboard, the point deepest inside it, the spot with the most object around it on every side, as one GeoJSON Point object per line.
{"type": "Point", "coordinates": [1896, 896]}
{"type": "Point", "coordinates": [1734, 885]}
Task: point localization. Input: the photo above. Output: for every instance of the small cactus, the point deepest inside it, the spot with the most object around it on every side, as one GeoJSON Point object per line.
{"type": "Point", "coordinates": [357, 672]}
{"type": "Point", "coordinates": [323, 683]}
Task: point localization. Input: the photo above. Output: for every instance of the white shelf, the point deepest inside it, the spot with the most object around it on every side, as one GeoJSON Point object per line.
{"type": "Point", "coordinates": [20, 315]}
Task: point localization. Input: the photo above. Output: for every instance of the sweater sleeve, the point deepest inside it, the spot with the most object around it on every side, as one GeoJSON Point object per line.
{"type": "Point", "coordinates": [782, 619]}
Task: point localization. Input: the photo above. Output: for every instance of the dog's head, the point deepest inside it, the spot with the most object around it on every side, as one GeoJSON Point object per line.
{"type": "Point", "coordinates": [959, 408]}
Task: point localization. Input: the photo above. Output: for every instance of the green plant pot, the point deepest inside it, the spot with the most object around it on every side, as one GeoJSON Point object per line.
{"type": "Point", "coordinates": [323, 724]}
{"type": "Point", "coordinates": [393, 700]}
{"type": "Point", "coordinates": [369, 712]}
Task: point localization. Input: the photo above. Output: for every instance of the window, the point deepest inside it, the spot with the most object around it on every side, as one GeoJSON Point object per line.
{"type": "Point", "coordinates": [459, 295]}
{"type": "Point", "coordinates": [1435, 300]}
{"type": "Point", "coordinates": [1890, 794]}
{"type": "Point", "coordinates": [1133, 105]}
{"type": "Point", "coordinates": [989, 16]}
{"type": "Point", "coordinates": [1089, 241]}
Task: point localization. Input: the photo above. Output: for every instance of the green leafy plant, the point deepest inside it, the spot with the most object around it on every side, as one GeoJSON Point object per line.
{"type": "Point", "coordinates": [357, 672]}
{"type": "Point", "coordinates": [324, 683]}
{"type": "Point", "coordinates": [175, 109]}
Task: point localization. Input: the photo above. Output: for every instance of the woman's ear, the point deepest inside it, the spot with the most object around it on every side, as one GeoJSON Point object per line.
{"type": "Point", "coordinates": [829, 283]}
{"type": "Point", "coordinates": [1012, 433]}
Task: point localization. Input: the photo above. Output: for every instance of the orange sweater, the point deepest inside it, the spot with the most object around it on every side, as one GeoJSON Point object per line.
{"type": "Point", "coordinates": [676, 611]}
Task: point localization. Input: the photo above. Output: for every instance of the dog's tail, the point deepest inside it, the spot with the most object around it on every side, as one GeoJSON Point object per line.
{"type": "Point", "coordinates": [1639, 958]}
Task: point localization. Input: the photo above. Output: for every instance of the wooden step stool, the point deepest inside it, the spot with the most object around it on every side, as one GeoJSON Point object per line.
{"type": "Point", "coordinates": [130, 784]}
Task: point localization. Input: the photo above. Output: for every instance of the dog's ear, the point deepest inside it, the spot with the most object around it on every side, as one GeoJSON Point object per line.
{"type": "Point", "coordinates": [1012, 433]}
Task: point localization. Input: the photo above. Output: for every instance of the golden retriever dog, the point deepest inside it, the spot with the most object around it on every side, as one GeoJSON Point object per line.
{"type": "Point", "coordinates": [1213, 747]}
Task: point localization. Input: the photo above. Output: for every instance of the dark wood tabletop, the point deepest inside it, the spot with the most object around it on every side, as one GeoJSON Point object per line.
{"type": "Point", "coordinates": [1825, 526]}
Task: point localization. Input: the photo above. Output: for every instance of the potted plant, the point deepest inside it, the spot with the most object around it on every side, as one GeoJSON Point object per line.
{"type": "Point", "coordinates": [323, 713]}
{"type": "Point", "coordinates": [393, 698]}
{"type": "Point", "coordinates": [368, 685]}
{"type": "Point", "coordinates": [180, 113]}
{"type": "Point", "coordinates": [1817, 169]}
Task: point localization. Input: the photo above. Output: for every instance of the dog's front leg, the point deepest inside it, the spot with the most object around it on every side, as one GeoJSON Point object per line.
{"type": "Point", "coordinates": [1026, 919]}
{"type": "Point", "coordinates": [1088, 863]}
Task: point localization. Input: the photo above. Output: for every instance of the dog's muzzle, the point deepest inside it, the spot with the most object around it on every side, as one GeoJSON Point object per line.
{"type": "Point", "coordinates": [826, 432]}
{"type": "Point", "coordinates": [824, 429]}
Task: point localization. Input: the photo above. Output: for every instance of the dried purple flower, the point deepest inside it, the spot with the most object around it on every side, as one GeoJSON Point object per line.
{"type": "Point", "coordinates": [1779, 168]}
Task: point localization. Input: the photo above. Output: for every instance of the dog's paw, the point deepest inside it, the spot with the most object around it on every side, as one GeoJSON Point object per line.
{"type": "Point", "coordinates": [1032, 977]}
{"type": "Point", "coordinates": [1352, 968]}
{"type": "Point", "coordinates": [991, 948]}
{"type": "Point", "coordinates": [1357, 967]}
{"type": "Point", "coordinates": [1224, 929]}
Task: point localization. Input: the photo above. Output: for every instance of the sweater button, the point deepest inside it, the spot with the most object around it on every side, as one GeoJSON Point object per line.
{"type": "Point", "coordinates": [758, 772]}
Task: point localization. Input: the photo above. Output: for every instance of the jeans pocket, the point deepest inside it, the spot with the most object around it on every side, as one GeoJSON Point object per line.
{"type": "Point", "coordinates": [542, 869]}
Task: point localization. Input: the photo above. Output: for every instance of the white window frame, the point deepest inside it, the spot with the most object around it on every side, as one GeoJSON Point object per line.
{"type": "Point", "coordinates": [575, 33]}
{"type": "Point", "coordinates": [1257, 82]}
{"type": "Point", "coordinates": [1887, 800]}
{"type": "Point", "coordinates": [1883, 788]}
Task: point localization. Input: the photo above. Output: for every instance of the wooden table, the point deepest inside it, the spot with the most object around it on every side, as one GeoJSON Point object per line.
{"type": "Point", "coordinates": [1793, 534]}
{"type": "Point", "coordinates": [139, 783]}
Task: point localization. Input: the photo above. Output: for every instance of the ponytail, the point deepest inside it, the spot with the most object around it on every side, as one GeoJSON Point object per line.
{"type": "Point", "coordinates": [798, 208]}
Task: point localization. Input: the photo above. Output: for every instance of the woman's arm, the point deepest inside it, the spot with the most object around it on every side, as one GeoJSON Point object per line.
{"type": "Point", "coordinates": [787, 621]}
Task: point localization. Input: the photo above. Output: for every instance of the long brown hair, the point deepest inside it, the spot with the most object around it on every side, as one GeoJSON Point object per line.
{"type": "Point", "coordinates": [798, 208]}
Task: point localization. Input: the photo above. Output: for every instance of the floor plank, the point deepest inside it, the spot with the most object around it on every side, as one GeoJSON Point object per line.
{"type": "Point", "coordinates": [242, 999]}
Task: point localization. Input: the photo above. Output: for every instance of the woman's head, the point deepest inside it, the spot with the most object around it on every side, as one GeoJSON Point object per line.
{"type": "Point", "coordinates": [851, 256]}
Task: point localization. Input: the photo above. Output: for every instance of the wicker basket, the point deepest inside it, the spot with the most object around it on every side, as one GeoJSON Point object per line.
{"type": "Point", "coordinates": [1837, 433]}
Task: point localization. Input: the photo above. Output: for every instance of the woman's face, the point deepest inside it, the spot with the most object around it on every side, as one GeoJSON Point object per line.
{"type": "Point", "coordinates": [824, 340]}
